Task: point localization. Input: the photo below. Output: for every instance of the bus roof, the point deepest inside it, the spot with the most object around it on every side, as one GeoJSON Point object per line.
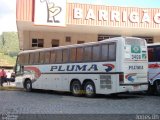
{"type": "Point", "coordinates": [153, 44]}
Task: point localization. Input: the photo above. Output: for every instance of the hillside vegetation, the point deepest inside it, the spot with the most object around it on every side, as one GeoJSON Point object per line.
{"type": "Point", "coordinates": [9, 48]}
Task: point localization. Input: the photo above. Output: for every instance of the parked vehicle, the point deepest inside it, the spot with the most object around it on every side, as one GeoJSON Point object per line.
{"type": "Point", "coordinates": [154, 68]}
{"type": "Point", "coordinates": [106, 67]}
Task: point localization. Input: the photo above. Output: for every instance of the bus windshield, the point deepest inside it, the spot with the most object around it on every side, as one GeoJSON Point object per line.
{"type": "Point", "coordinates": [135, 49]}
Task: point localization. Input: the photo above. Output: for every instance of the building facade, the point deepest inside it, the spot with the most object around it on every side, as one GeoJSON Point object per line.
{"type": "Point", "coordinates": [51, 23]}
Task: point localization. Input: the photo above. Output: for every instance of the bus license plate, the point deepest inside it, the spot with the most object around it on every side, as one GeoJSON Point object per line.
{"type": "Point", "coordinates": [136, 57]}
{"type": "Point", "coordinates": [136, 87]}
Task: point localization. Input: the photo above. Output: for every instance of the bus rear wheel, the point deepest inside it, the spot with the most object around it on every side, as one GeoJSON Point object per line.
{"type": "Point", "coordinates": [28, 85]}
{"type": "Point", "coordinates": [89, 89]}
{"type": "Point", "coordinates": [76, 88]}
{"type": "Point", "coordinates": [157, 85]}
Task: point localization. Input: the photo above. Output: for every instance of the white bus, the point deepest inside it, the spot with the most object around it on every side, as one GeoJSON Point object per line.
{"type": "Point", "coordinates": [110, 66]}
{"type": "Point", "coordinates": [154, 68]}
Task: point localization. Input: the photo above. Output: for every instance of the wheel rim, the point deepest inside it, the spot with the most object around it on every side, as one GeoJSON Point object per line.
{"type": "Point", "coordinates": [89, 89]}
{"type": "Point", "coordinates": [76, 88]}
{"type": "Point", "coordinates": [28, 85]}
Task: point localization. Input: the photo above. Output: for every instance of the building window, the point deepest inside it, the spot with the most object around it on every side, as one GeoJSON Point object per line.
{"type": "Point", "coordinates": [103, 37]}
{"type": "Point", "coordinates": [80, 42]}
{"type": "Point", "coordinates": [55, 43]}
{"type": "Point", "coordinates": [37, 42]}
{"type": "Point", "coordinates": [68, 39]}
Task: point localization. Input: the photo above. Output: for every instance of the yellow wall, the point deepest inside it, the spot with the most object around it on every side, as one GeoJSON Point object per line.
{"type": "Point", "coordinates": [156, 39]}
{"type": "Point", "coordinates": [48, 36]}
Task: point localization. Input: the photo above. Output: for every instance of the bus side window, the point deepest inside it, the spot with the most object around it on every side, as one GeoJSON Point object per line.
{"type": "Point", "coordinates": [79, 54]}
{"type": "Point", "coordinates": [65, 55]}
{"type": "Point", "coordinates": [36, 59]}
{"type": "Point", "coordinates": [21, 59]}
{"type": "Point", "coordinates": [150, 54]}
{"type": "Point", "coordinates": [88, 53]}
{"type": "Point", "coordinates": [47, 57]}
{"type": "Point", "coordinates": [58, 56]}
{"type": "Point", "coordinates": [26, 58]}
{"type": "Point", "coordinates": [72, 57]}
{"type": "Point", "coordinates": [31, 58]}
{"type": "Point", "coordinates": [112, 51]}
{"type": "Point", "coordinates": [96, 52]}
{"type": "Point", "coordinates": [53, 57]}
{"type": "Point", "coordinates": [105, 50]}
{"type": "Point", "coordinates": [157, 53]}
{"type": "Point", "coordinates": [42, 57]}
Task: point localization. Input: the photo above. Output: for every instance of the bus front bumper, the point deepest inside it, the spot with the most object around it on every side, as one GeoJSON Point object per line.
{"type": "Point", "coordinates": [133, 87]}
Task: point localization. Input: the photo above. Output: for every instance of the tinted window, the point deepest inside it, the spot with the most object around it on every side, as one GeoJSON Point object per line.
{"type": "Point", "coordinates": [36, 59]}
{"type": "Point", "coordinates": [42, 57]}
{"type": "Point", "coordinates": [79, 56]}
{"type": "Point", "coordinates": [154, 53]}
{"type": "Point", "coordinates": [26, 59]}
{"type": "Point", "coordinates": [88, 53]}
{"type": "Point", "coordinates": [105, 48]}
{"type": "Point", "coordinates": [72, 55]}
{"type": "Point", "coordinates": [31, 58]}
{"type": "Point", "coordinates": [65, 55]}
{"type": "Point", "coordinates": [20, 59]}
{"type": "Point", "coordinates": [53, 57]}
{"type": "Point", "coordinates": [96, 52]}
{"type": "Point", "coordinates": [47, 57]}
{"type": "Point", "coordinates": [112, 51]}
{"type": "Point", "coordinates": [58, 56]}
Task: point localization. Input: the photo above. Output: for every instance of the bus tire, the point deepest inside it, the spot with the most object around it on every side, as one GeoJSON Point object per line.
{"type": "Point", "coordinates": [89, 89]}
{"type": "Point", "coordinates": [76, 88]}
{"type": "Point", "coordinates": [151, 89]}
{"type": "Point", "coordinates": [157, 87]}
{"type": "Point", "coordinates": [28, 86]}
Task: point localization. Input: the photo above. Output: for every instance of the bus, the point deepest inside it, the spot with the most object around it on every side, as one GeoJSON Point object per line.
{"type": "Point", "coordinates": [154, 68]}
{"type": "Point", "coordinates": [110, 66]}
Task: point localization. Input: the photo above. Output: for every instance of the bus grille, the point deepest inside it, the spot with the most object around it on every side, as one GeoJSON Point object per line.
{"type": "Point", "coordinates": [105, 82]}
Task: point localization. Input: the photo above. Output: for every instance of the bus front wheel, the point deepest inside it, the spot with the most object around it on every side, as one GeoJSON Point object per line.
{"type": "Point", "coordinates": [157, 85]}
{"type": "Point", "coordinates": [28, 85]}
{"type": "Point", "coordinates": [89, 88]}
{"type": "Point", "coordinates": [76, 88]}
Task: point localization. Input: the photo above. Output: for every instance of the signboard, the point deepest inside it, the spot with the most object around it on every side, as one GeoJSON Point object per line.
{"type": "Point", "coordinates": [50, 12]}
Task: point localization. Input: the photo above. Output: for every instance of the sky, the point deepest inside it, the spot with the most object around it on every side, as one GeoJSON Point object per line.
{"type": "Point", "coordinates": [8, 9]}
{"type": "Point", "coordinates": [7, 16]}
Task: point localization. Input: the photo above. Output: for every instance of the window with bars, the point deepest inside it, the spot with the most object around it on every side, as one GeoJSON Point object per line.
{"type": "Point", "coordinates": [80, 42]}
{"type": "Point", "coordinates": [55, 42]}
{"type": "Point", "coordinates": [103, 37]}
{"type": "Point", "coordinates": [37, 42]}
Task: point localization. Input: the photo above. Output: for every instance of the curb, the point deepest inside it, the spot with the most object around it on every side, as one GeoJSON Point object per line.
{"type": "Point", "coordinates": [10, 88]}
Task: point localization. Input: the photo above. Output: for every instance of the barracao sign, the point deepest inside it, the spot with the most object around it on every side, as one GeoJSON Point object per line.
{"type": "Point", "coordinates": [118, 16]}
